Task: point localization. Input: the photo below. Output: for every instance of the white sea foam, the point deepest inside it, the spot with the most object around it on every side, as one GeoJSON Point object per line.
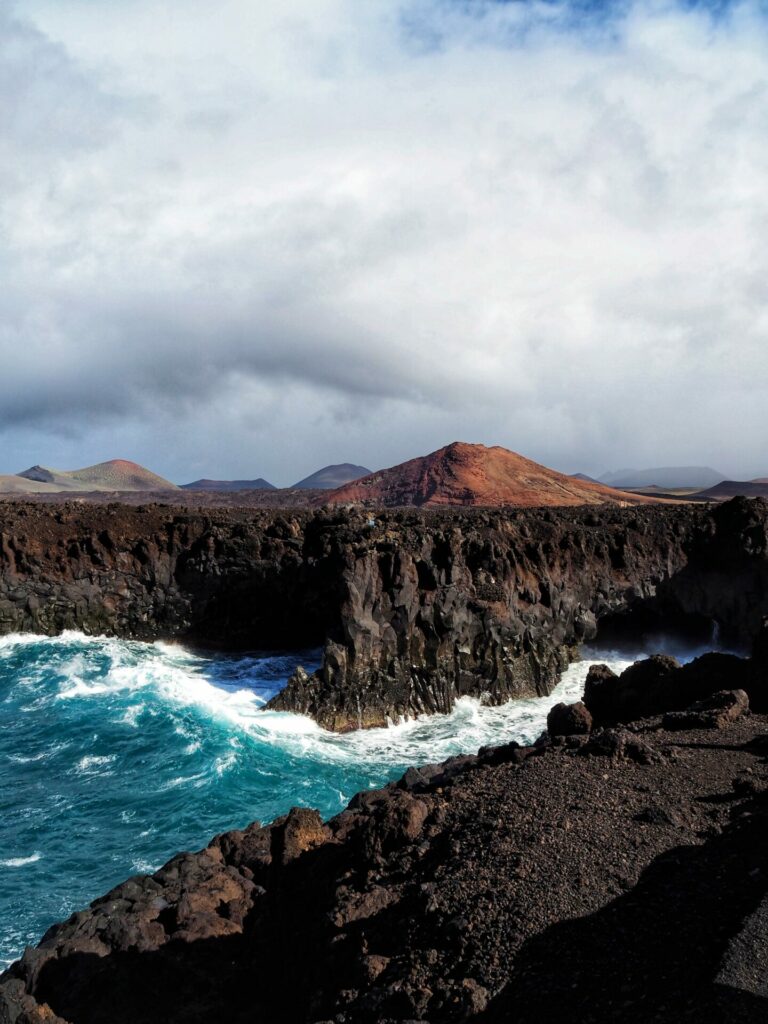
{"type": "Point", "coordinates": [76, 687]}
{"type": "Point", "coordinates": [223, 764]}
{"type": "Point", "coordinates": [19, 640]}
{"type": "Point", "coordinates": [94, 764]}
{"type": "Point", "coordinates": [197, 780]}
{"type": "Point", "coordinates": [233, 692]}
{"type": "Point", "coordinates": [28, 639]}
{"type": "Point", "coordinates": [144, 867]}
{"type": "Point", "coordinates": [20, 862]}
{"type": "Point", "coordinates": [132, 715]}
{"type": "Point", "coordinates": [20, 759]}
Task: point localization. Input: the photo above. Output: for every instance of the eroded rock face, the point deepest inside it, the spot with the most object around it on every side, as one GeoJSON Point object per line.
{"type": "Point", "coordinates": [413, 608]}
{"type": "Point", "coordinates": [494, 603]}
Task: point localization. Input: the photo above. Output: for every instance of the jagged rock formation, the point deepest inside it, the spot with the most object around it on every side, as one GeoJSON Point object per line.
{"type": "Point", "coordinates": [473, 475]}
{"type": "Point", "coordinates": [414, 608]}
{"type": "Point", "coordinates": [496, 607]}
{"type": "Point", "coordinates": [589, 878]}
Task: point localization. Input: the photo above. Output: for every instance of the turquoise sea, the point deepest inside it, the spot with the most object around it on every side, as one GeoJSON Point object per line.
{"type": "Point", "coordinates": [115, 755]}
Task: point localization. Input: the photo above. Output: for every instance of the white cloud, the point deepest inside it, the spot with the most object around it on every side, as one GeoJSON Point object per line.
{"type": "Point", "coordinates": [328, 230]}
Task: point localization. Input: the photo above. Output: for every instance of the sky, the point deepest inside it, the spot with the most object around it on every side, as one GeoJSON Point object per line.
{"type": "Point", "coordinates": [251, 238]}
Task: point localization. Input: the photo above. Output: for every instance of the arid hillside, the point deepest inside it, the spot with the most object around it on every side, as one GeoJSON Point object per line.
{"type": "Point", "coordinates": [471, 474]}
{"type": "Point", "coordinates": [115, 475]}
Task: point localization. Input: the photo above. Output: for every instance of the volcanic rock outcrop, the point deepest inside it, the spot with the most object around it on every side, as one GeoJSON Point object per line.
{"type": "Point", "coordinates": [621, 875]}
{"type": "Point", "coordinates": [496, 608]}
{"type": "Point", "coordinates": [413, 608]}
{"type": "Point", "coordinates": [471, 474]}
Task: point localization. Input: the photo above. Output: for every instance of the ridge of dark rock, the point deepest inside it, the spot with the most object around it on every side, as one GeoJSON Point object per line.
{"type": "Point", "coordinates": [413, 608]}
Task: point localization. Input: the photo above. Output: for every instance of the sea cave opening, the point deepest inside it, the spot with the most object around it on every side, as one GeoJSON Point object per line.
{"type": "Point", "coordinates": [643, 629]}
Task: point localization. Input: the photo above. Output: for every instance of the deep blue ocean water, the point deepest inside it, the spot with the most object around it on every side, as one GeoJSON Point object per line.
{"type": "Point", "coordinates": [115, 755]}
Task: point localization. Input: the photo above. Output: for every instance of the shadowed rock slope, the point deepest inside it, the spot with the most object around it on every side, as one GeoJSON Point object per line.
{"type": "Point", "coordinates": [620, 874]}
{"type": "Point", "coordinates": [471, 474]}
{"type": "Point", "coordinates": [413, 608]}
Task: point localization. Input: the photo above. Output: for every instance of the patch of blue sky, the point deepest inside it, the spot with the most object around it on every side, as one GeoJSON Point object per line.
{"type": "Point", "coordinates": [428, 26]}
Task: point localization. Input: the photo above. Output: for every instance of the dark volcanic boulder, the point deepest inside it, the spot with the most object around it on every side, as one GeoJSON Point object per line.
{"type": "Point", "coordinates": [716, 712]}
{"type": "Point", "coordinates": [600, 691]}
{"type": "Point", "coordinates": [645, 688]}
{"type": "Point", "coordinates": [710, 674]}
{"type": "Point", "coordinates": [569, 719]}
{"type": "Point", "coordinates": [659, 684]}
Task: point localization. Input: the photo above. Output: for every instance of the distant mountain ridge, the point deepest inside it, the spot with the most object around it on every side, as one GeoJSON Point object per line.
{"type": "Point", "coordinates": [331, 477]}
{"type": "Point", "coordinates": [260, 484]}
{"type": "Point", "coordinates": [664, 477]}
{"type": "Point", "coordinates": [733, 488]}
{"type": "Point", "coordinates": [583, 476]}
{"type": "Point", "coordinates": [471, 474]}
{"type": "Point", "coordinates": [114, 475]}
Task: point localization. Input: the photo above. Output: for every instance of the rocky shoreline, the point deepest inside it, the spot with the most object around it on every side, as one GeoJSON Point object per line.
{"type": "Point", "coordinates": [615, 871]}
{"type": "Point", "coordinates": [413, 608]}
